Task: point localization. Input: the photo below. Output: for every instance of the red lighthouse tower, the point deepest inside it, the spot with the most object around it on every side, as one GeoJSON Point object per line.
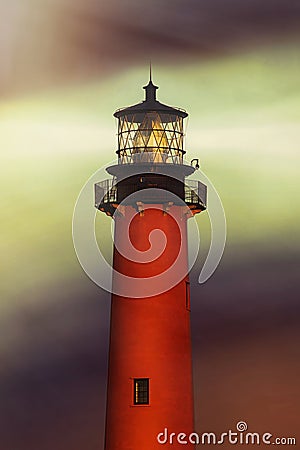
{"type": "Point", "coordinates": [150, 200]}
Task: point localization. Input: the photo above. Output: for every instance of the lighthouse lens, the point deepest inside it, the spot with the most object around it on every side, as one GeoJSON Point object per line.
{"type": "Point", "coordinates": [153, 137]}
{"type": "Point", "coordinates": [151, 140]}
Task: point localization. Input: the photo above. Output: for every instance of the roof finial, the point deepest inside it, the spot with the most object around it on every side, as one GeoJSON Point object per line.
{"type": "Point", "coordinates": [150, 88]}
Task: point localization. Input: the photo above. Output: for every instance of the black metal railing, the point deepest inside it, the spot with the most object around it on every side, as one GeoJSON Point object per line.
{"type": "Point", "coordinates": [106, 192]}
{"type": "Point", "coordinates": [195, 192]}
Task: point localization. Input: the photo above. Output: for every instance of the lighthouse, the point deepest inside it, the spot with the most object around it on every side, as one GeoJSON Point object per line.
{"type": "Point", "coordinates": [150, 199]}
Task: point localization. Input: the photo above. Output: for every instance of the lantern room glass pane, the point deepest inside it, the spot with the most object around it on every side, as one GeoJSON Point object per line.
{"type": "Point", "coordinates": [150, 136]}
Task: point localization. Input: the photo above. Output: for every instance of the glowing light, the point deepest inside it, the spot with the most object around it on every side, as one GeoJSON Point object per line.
{"type": "Point", "coordinates": [150, 140]}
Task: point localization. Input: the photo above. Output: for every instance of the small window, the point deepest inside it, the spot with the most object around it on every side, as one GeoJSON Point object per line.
{"type": "Point", "coordinates": [187, 296]}
{"type": "Point", "coordinates": [141, 391]}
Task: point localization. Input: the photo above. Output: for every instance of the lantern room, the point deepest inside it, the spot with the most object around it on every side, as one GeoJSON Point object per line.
{"type": "Point", "coordinates": [150, 132]}
{"type": "Point", "coordinates": [150, 156]}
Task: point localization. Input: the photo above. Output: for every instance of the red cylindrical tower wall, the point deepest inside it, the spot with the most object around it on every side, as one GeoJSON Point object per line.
{"type": "Point", "coordinates": [150, 338]}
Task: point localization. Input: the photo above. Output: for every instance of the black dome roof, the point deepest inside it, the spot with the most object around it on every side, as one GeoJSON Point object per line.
{"type": "Point", "coordinates": [150, 104]}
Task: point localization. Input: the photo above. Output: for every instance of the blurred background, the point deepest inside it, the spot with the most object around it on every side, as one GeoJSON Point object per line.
{"type": "Point", "coordinates": [65, 68]}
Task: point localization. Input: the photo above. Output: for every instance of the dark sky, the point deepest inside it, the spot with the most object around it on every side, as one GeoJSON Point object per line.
{"type": "Point", "coordinates": [46, 42]}
{"type": "Point", "coordinates": [246, 358]}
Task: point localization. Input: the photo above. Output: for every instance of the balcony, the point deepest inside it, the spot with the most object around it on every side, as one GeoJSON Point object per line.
{"type": "Point", "coordinates": [106, 194]}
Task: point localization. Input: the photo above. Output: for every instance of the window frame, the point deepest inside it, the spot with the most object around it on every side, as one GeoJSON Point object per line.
{"type": "Point", "coordinates": [136, 402]}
